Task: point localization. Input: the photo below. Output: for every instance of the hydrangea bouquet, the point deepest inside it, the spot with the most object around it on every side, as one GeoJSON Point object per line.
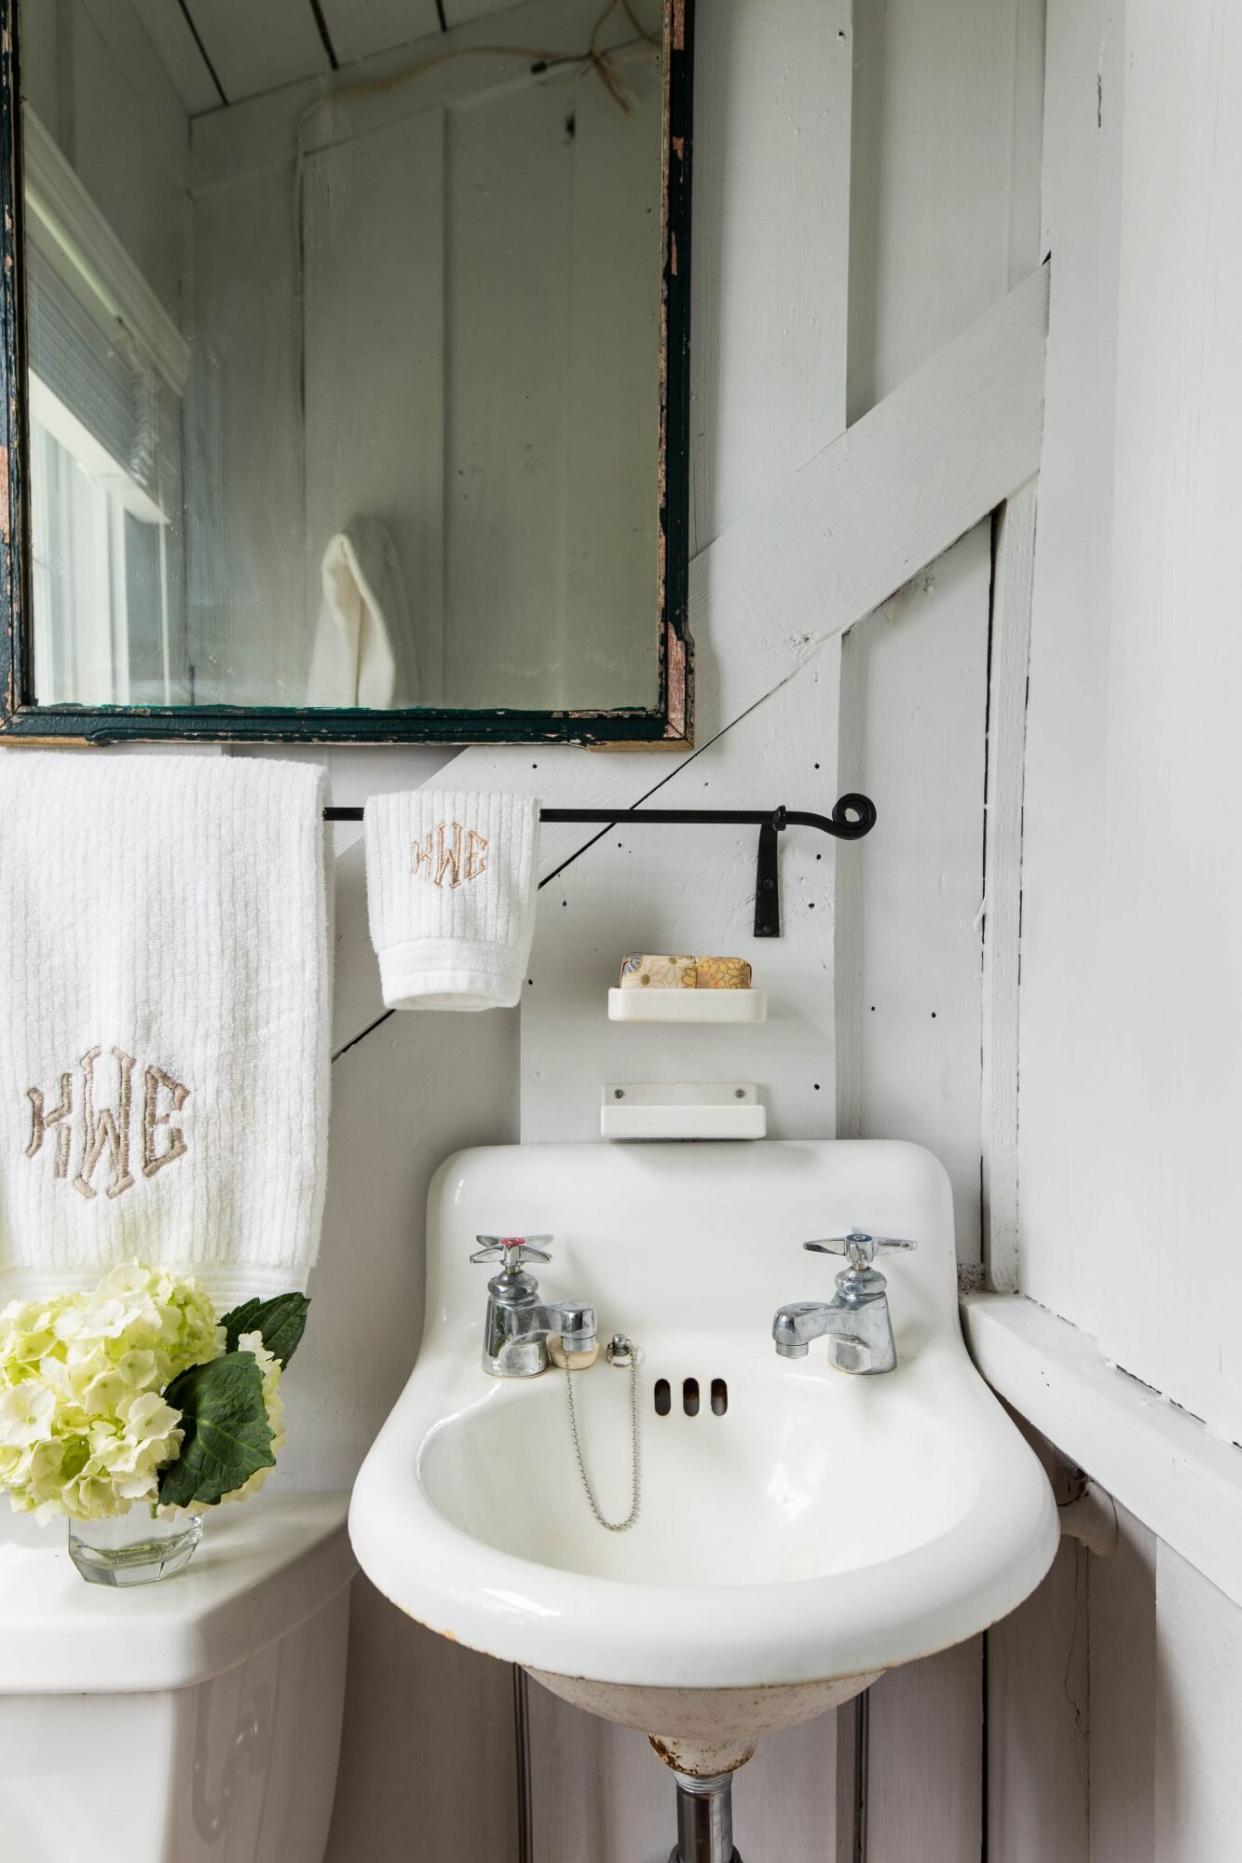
{"type": "Point", "coordinates": [136, 1393]}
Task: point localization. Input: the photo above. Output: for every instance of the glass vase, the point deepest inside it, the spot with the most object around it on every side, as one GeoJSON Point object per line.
{"type": "Point", "coordinates": [134, 1548]}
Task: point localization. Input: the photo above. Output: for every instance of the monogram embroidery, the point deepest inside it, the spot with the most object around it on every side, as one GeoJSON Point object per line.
{"type": "Point", "coordinates": [40, 1121]}
{"type": "Point", "coordinates": [153, 1119]}
{"type": "Point", "coordinates": [451, 850]}
{"type": "Point", "coordinates": [106, 1129]}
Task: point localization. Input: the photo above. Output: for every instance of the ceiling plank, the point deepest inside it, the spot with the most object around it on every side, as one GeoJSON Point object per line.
{"type": "Point", "coordinates": [360, 28]}
{"type": "Point", "coordinates": [175, 46]}
{"type": "Point", "coordinates": [258, 48]}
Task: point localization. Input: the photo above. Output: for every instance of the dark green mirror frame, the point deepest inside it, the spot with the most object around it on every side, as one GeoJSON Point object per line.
{"type": "Point", "coordinates": [669, 722]}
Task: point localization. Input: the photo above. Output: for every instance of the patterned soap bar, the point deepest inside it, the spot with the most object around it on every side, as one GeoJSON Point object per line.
{"type": "Point", "coordinates": [658, 973]}
{"type": "Point", "coordinates": [722, 973]}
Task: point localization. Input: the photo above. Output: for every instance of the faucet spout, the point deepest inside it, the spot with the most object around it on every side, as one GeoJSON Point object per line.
{"type": "Point", "coordinates": [796, 1324]}
{"type": "Point", "coordinates": [860, 1334]}
{"type": "Point", "coordinates": [574, 1320]}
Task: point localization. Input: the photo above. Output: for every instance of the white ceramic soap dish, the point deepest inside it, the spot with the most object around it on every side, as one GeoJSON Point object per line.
{"type": "Point", "coordinates": [687, 1005]}
{"type": "Point", "coordinates": [682, 1110]}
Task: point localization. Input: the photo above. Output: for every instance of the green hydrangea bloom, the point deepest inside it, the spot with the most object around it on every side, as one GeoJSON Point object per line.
{"type": "Point", "coordinates": [84, 1430]}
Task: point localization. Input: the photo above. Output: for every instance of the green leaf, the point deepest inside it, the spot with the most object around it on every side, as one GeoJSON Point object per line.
{"type": "Point", "coordinates": [227, 1434]}
{"type": "Point", "coordinates": [281, 1320]}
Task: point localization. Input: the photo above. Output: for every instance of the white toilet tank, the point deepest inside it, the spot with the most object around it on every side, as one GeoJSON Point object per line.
{"type": "Point", "coordinates": [196, 1720]}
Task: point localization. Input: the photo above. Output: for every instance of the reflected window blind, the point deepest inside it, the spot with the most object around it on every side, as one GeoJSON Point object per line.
{"type": "Point", "coordinates": [112, 395]}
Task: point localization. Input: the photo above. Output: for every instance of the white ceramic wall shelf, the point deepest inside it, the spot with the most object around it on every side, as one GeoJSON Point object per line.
{"type": "Point", "coordinates": [687, 1006]}
{"type": "Point", "coordinates": [682, 1110]}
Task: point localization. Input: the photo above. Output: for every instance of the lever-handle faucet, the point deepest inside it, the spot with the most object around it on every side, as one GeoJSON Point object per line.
{"type": "Point", "coordinates": [515, 1337]}
{"type": "Point", "coordinates": [856, 1320]}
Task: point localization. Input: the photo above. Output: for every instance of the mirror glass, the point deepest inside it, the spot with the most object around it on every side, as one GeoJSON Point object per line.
{"type": "Point", "coordinates": [343, 338]}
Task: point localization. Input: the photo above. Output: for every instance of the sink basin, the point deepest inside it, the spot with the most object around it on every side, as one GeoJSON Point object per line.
{"type": "Point", "coordinates": [801, 1529]}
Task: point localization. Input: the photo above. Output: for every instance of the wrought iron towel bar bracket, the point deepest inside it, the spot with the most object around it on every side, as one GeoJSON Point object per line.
{"type": "Point", "coordinates": [853, 816]}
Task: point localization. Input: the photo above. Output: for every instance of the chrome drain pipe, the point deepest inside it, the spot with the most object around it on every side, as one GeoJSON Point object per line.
{"type": "Point", "coordinates": [705, 1820]}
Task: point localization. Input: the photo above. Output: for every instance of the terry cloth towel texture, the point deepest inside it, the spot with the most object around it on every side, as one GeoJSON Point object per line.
{"type": "Point", "coordinates": [164, 966]}
{"type": "Point", "coordinates": [451, 896]}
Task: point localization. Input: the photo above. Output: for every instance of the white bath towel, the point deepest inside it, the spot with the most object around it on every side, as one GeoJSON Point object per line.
{"type": "Point", "coordinates": [166, 992]}
{"type": "Point", "coordinates": [451, 896]}
{"type": "Point", "coordinates": [364, 652]}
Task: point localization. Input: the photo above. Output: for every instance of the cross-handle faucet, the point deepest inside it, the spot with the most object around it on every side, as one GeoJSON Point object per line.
{"type": "Point", "coordinates": [856, 1319]}
{"type": "Point", "coordinates": [515, 1336]}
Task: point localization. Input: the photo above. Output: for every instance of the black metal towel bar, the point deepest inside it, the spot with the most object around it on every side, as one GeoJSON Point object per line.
{"type": "Point", "coordinates": [852, 817]}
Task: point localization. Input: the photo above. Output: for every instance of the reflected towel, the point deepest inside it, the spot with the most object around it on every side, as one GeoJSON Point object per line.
{"type": "Point", "coordinates": [364, 653]}
{"type": "Point", "coordinates": [451, 896]}
{"type": "Point", "coordinates": [165, 990]}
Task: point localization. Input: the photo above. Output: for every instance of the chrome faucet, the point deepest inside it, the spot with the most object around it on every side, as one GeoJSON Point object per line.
{"type": "Point", "coordinates": [515, 1338]}
{"type": "Point", "coordinates": [856, 1319]}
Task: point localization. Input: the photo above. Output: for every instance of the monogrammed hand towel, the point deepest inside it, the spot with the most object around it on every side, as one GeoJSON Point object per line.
{"type": "Point", "coordinates": [451, 896]}
{"type": "Point", "coordinates": [165, 989]}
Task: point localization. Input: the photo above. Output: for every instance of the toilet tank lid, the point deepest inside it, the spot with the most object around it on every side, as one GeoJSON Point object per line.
{"type": "Point", "coordinates": [263, 1568]}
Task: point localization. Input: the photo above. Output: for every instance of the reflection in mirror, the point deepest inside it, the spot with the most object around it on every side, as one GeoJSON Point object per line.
{"type": "Point", "coordinates": [343, 345]}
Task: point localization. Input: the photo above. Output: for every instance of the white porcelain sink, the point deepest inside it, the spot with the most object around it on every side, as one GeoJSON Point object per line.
{"type": "Point", "coordinates": [822, 1529]}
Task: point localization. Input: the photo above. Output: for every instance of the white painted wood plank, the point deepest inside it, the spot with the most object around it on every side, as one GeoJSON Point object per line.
{"type": "Point", "coordinates": [1198, 1716]}
{"type": "Point", "coordinates": [945, 176]}
{"type": "Point", "coordinates": [244, 429]}
{"type": "Point", "coordinates": [551, 455]}
{"type": "Point", "coordinates": [259, 48]}
{"type": "Point", "coordinates": [1026, 247]}
{"type": "Point", "coordinates": [388, 1136]}
{"type": "Point", "coordinates": [1165, 1467]}
{"type": "Point", "coordinates": [374, 343]}
{"type": "Point", "coordinates": [597, 1791]}
{"type": "Point", "coordinates": [177, 50]}
{"type": "Point", "coordinates": [914, 684]}
{"type": "Point", "coordinates": [769, 271]}
{"type": "Point", "coordinates": [1063, 824]}
{"type": "Point", "coordinates": [1038, 1697]}
{"type": "Point", "coordinates": [925, 1760]}
{"type": "Point", "coordinates": [1163, 1064]}
{"type": "Point", "coordinates": [360, 28]}
{"type": "Point", "coordinates": [787, 1801]}
{"type": "Point", "coordinates": [1124, 1688]}
{"type": "Point", "coordinates": [1009, 670]}
{"type": "Point", "coordinates": [428, 1767]}
{"type": "Point", "coordinates": [123, 127]}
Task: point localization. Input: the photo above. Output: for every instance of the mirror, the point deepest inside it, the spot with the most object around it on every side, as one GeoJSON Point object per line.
{"type": "Point", "coordinates": [354, 369]}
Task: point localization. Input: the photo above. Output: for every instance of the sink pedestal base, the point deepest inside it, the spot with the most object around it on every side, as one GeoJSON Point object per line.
{"type": "Point", "coordinates": [705, 1820]}
{"type": "Point", "coordinates": [716, 1730]}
